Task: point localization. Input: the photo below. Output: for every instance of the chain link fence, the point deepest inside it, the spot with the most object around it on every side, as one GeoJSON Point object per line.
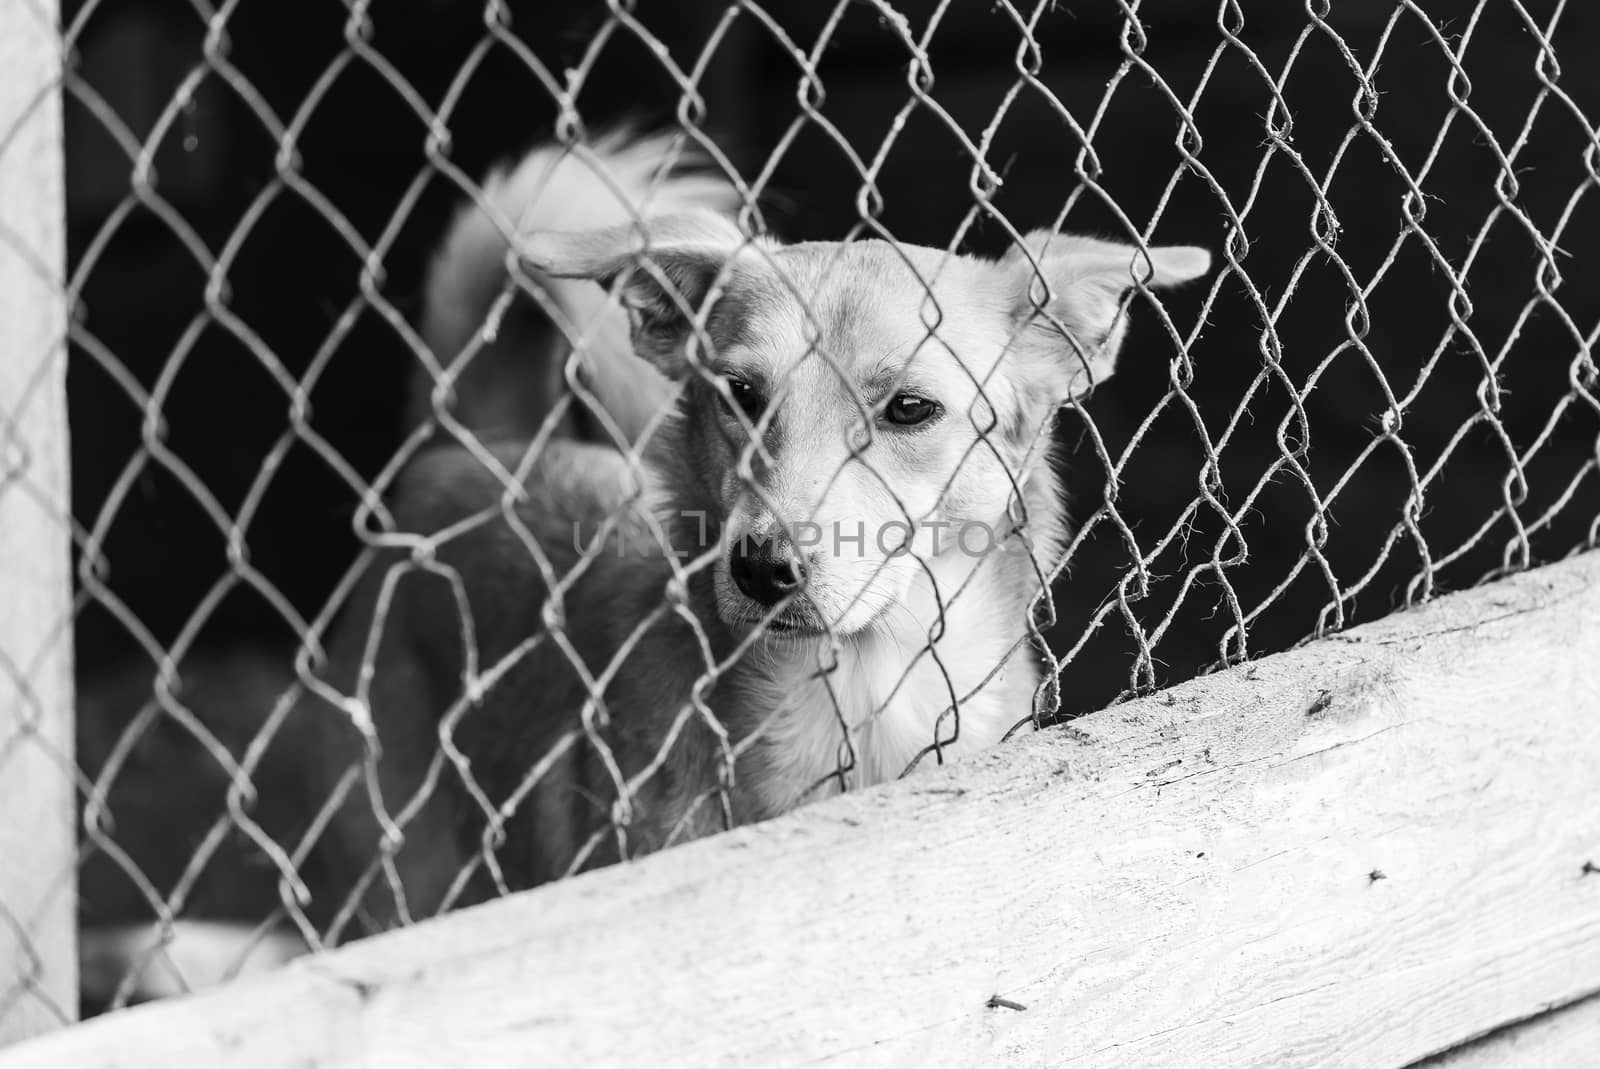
{"type": "Point", "coordinates": [312, 611]}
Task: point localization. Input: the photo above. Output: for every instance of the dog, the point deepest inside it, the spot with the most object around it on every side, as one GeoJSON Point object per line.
{"type": "Point", "coordinates": [711, 526]}
{"type": "Point", "coordinates": [753, 524]}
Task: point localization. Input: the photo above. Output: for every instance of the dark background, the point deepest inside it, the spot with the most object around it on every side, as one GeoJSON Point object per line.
{"type": "Point", "coordinates": [227, 350]}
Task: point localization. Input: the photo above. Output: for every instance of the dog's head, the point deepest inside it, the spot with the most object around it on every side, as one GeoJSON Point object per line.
{"type": "Point", "coordinates": [853, 411]}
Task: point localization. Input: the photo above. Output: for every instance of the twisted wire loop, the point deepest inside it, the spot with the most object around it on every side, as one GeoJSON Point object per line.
{"type": "Point", "coordinates": [1384, 389]}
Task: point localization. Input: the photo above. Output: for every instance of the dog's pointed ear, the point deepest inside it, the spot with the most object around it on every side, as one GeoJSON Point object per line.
{"type": "Point", "coordinates": [1067, 304]}
{"type": "Point", "coordinates": [667, 265]}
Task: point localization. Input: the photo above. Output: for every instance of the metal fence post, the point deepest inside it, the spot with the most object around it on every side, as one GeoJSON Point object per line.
{"type": "Point", "coordinates": [38, 967]}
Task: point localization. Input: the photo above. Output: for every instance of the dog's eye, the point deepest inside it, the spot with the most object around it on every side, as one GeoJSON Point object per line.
{"type": "Point", "coordinates": [909, 410]}
{"type": "Point", "coordinates": [747, 397]}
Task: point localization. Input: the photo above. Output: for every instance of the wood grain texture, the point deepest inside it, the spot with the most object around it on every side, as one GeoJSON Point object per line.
{"type": "Point", "coordinates": [1360, 853]}
{"type": "Point", "coordinates": [38, 859]}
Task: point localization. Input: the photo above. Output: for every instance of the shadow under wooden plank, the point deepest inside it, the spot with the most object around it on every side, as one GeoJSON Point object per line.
{"type": "Point", "coordinates": [1566, 1035]}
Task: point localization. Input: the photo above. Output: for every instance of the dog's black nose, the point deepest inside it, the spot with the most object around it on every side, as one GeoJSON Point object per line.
{"type": "Point", "coordinates": [766, 571]}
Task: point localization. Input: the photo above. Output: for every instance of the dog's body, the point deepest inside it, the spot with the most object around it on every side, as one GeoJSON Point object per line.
{"type": "Point", "coordinates": [677, 680]}
{"type": "Point", "coordinates": [786, 543]}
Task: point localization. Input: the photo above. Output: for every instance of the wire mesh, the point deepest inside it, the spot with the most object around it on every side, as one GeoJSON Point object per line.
{"type": "Point", "coordinates": [314, 611]}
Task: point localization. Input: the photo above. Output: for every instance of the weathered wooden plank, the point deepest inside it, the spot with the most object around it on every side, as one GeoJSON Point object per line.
{"type": "Point", "coordinates": [1359, 853]}
{"type": "Point", "coordinates": [38, 965]}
